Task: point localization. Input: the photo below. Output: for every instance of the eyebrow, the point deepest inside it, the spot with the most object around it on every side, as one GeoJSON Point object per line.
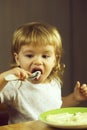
{"type": "Point", "coordinates": [27, 51]}
{"type": "Point", "coordinates": [47, 51]}
{"type": "Point", "coordinates": [30, 51]}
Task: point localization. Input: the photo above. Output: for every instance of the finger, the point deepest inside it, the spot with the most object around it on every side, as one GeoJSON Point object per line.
{"type": "Point", "coordinates": [84, 87]}
{"type": "Point", "coordinates": [23, 75]}
{"type": "Point", "coordinates": [77, 84]}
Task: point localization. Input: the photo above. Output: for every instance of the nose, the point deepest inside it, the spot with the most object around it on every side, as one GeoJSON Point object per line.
{"type": "Point", "coordinates": [38, 60]}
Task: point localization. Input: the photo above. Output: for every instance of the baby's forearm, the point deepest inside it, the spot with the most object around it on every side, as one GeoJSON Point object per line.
{"type": "Point", "coordinates": [3, 82]}
{"type": "Point", "coordinates": [70, 101]}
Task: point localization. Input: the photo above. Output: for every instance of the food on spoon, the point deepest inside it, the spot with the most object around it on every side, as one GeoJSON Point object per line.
{"type": "Point", "coordinates": [35, 75]}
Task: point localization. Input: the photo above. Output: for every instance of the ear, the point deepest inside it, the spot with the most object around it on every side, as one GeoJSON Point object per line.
{"type": "Point", "coordinates": [16, 56]}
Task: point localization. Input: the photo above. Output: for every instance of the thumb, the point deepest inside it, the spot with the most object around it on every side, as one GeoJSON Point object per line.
{"type": "Point", "coordinates": [77, 84]}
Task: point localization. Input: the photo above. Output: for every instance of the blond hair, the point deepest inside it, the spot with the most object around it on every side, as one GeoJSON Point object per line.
{"type": "Point", "coordinates": [36, 33]}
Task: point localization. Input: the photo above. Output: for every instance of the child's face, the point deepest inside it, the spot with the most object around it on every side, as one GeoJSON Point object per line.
{"type": "Point", "coordinates": [32, 58]}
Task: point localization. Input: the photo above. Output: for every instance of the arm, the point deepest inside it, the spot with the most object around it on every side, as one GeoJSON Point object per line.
{"type": "Point", "coordinates": [79, 94]}
{"type": "Point", "coordinates": [69, 101]}
{"type": "Point", "coordinates": [3, 82]}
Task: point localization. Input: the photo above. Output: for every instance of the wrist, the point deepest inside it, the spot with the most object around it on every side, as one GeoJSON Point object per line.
{"type": "Point", "coordinates": [75, 99]}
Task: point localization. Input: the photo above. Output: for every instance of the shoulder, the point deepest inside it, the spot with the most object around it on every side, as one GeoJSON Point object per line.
{"type": "Point", "coordinates": [56, 83]}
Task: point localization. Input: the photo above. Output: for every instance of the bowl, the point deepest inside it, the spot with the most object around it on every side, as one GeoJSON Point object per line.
{"type": "Point", "coordinates": [70, 118]}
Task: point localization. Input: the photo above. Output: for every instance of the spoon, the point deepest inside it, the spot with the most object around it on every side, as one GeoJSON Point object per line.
{"type": "Point", "coordinates": [34, 75]}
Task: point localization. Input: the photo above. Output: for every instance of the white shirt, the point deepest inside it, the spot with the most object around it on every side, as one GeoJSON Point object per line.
{"type": "Point", "coordinates": [26, 101]}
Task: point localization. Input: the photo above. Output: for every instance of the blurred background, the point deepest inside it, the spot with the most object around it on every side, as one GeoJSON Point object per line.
{"type": "Point", "coordinates": [69, 16]}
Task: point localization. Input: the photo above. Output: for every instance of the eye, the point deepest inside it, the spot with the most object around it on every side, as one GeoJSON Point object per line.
{"type": "Point", "coordinates": [29, 55]}
{"type": "Point", "coordinates": [45, 56]}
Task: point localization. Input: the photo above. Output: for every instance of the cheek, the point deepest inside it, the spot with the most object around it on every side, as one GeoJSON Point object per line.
{"type": "Point", "coordinates": [53, 62]}
{"type": "Point", "coordinates": [23, 63]}
{"type": "Point", "coordinates": [51, 65]}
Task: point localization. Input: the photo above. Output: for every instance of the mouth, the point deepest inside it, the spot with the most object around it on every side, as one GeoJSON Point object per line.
{"type": "Point", "coordinates": [36, 69]}
{"type": "Point", "coordinates": [36, 73]}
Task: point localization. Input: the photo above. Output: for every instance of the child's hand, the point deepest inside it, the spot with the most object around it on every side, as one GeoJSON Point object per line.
{"type": "Point", "coordinates": [19, 73]}
{"type": "Point", "coordinates": [16, 72]}
{"type": "Point", "coordinates": [80, 92]}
